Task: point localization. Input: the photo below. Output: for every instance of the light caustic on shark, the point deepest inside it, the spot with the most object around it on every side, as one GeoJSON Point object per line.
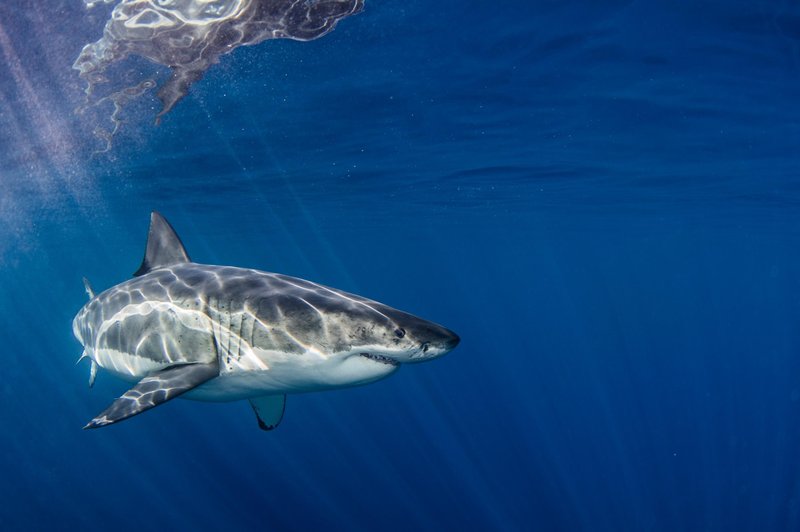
{"type": "Point", "coordinates": [221, 333]}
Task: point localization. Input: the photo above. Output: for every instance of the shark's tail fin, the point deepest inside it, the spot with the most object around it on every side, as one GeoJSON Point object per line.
{"type": "Point", "coordinates": [88, 288]}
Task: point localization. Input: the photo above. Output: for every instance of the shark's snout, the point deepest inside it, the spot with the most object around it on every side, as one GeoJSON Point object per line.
{"type": "Point", "coordinates": [444, 341]}
{"type": "Point", "coordinates": [434, 340]}
{"type": "Point", "coordinates": [451, 341]}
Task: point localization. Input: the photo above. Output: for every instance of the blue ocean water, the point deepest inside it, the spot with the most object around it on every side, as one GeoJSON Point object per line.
{"type": "Point", "coordinates": [601, 198]}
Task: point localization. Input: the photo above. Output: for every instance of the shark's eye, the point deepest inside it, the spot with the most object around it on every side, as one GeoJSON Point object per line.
{"type": "Point", "coordinates": [399, 332]}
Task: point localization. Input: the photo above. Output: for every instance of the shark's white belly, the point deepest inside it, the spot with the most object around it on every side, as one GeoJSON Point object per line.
{"type": "Point", "coordinates": [266, 373]}
{"type": "Point", "coordinates": [256, 372]}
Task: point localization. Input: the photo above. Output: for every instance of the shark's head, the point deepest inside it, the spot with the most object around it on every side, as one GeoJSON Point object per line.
{"type": "Point", "coordinates": [374, 341]}
{"type": "Point", "coordinates": [358, 340]}
{"type": "Point", "coordinates": [387, 335]}
{"type": "Point", "coordinates": [415, 340]}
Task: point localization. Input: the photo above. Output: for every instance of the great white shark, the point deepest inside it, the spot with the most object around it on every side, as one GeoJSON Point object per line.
{"type": "Point", "coordinates": [221, 333]}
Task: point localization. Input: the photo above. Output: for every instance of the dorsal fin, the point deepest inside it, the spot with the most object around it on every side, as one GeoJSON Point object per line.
{"type": "Point", "coordinates": [164, 248]}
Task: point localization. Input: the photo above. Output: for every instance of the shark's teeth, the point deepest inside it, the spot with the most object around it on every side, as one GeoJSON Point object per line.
{"type": "Point", "coordinates": [380, 358]}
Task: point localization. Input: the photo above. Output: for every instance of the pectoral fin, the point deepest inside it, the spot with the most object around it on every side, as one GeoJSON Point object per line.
{"type": "Point", "coordinates": [269, 410]}
{"type": "Point", "coordinates": [154, 390]}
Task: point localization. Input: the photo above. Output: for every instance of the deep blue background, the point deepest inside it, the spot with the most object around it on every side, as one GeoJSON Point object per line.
{"type": "Point", "coordinates": [601, 198]}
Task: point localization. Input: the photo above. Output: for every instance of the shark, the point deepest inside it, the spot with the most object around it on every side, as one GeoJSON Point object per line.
{"type": "Point", "coordinates": [223, 333]}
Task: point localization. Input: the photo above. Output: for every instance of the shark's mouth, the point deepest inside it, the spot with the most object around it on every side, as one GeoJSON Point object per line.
{"type": "Point", "coordinates": [380, 358]}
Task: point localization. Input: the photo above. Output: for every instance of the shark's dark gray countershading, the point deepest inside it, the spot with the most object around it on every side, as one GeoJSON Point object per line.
{"type": "Point", "coordinates": [221, 333]}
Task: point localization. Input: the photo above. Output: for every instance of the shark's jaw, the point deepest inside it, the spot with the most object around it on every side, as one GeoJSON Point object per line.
{"type": "Point", "coordinates": [381, 359]}
{"type": "Point", "coordinates": [286, 374]}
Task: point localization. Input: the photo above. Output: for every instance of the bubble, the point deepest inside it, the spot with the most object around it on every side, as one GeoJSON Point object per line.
{"type": "Point", "coordinates": [188, 36]}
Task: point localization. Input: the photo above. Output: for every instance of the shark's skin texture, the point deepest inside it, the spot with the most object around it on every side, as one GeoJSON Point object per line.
{"type": "Point", "coordinates": [221, 333]}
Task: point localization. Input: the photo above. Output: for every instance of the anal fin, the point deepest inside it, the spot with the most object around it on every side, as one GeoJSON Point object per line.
{"type": "Point", "coordinates": [155, 389]}
{"type": "Point", "coordinates": [269, 410]}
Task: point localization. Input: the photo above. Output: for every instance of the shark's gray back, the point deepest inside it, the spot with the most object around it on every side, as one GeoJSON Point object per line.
{"type": "Point", "coordinates": [197, 313]}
